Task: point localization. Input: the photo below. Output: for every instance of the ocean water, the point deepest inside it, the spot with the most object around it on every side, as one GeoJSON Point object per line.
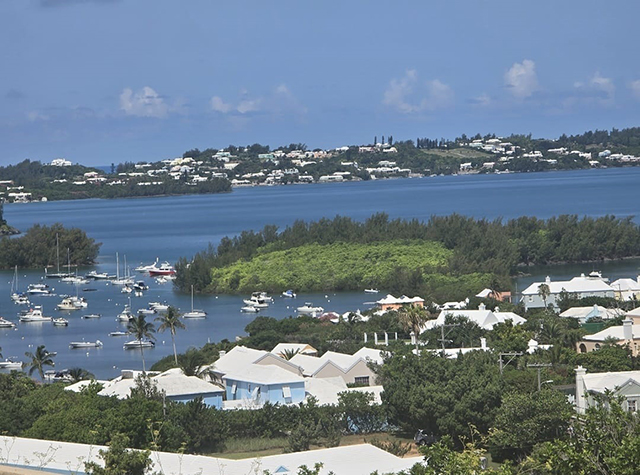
{"type": "Point", "coordinates": [143, 229]}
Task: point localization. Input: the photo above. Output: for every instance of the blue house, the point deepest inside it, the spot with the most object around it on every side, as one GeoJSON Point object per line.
{"type": "Point", "coordinates": [261, 384]}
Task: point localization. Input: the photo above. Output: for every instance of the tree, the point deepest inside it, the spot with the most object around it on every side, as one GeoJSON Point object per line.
{"type": "Point", "coordinates": [39, 360]}
{"type": "Point", "coordinates": [170, 320]}
{"type": "Point", "coordinates": [413, 317]}
{"type": "Point", "coordinates": [119, 460]}
{"type": "Point", "coordinates": [141, 329]}
{"type": "Point", "coordinates": [544, 292]}
{"type": "Point", "coordinates": [79, 374]}
{"type": "Point", "coordinates": [289, 353]}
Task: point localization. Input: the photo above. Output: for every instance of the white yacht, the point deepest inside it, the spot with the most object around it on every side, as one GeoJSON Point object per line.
{"type": "Point", "coordinates": [10, 364]}
{"type": "Point", "coordinates": [309, 309]}
{"type": "Point", "coordinates": [72, 303]}
{"type": "Point", "coordinates": [33, 315]}
{"type": "Point", "coordinates": [371, 291]}
{"type": "Point", "coordinates": [6, 323]}
{"type": "Point", "coordinates": [136, 344]}
{"type": "Point", "coordinates": [60, 322]}
{"type": "Point", "coordinates": [250, 309]}
{"type": "Point", "coordinates": [262, 296]}
{"type": "Point", "coordinates": [158, 307]}
{"type": "Point", "coordinates": [194, 313]}
{"type": "Point", "coordinates": [126, 315]}
{"type": "Point", "coordinates": [143, 268]}
{"type": "Point", "coordinates": [290, 294]}
{"type": "Point", "coordinates": [92, 315]}
{"type": "Point", "coordinates": [38, 289]}
{"type": "Point", "coordinates": [99, 275]}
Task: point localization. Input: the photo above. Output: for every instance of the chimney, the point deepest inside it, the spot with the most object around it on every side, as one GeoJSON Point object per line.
{"type": "Point", "coordinates": [482, 307]}
{"type": "Point", "coordinates": [483, 343]}
{"type": "Point", "coordinates": [222, 353]}
{"type": "Point", "coordinates": [627, 329]}
{"type": "Point", "coordinates": [386, 339]}
{"type": "Point", "coordinates": [413, 338]}
{"type": "Point", "coordinates": [547, 280]}
{"type": "Point", "coordinates": [581, 401]}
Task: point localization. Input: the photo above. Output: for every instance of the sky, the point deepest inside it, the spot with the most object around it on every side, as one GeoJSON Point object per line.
{"type": "Point", "coordinates": [108, 81]}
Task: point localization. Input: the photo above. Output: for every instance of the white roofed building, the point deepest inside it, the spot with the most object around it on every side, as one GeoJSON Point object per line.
{"type": "Point", "coordinates": [584, 314]}
{"type": "Point", "coordinates": [592, 285]}
{"type": "Point", "coordinates": [485, 319]}
{"type": "Point", "coordinates": [625, 334]}
{"type": "Point", "coordinates": [392, 303]}
{"type": "Point", "coordinates": [626, 289]}
{"type": "Point", "coordinates": [622, 383]}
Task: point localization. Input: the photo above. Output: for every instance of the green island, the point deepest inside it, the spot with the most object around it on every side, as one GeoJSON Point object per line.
{"type": "Point", "coordinates": [37, 247]}
{"type": "Point", "coordinates": [215, 170]}
{"type": "Point", "coordinates": [447, 257]}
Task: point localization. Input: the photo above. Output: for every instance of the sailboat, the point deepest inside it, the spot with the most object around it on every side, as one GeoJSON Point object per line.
{"type": "Point", "coordinates": [194, 313]}
{"type": "Point", "coordinates": [125, 280]}
{"type": "Point", "coordinates": [17, 297]}
{"type": "Point", "coordinates": [57, 274]}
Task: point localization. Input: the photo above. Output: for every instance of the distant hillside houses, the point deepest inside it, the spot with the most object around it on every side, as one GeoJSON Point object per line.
{"type": "Point", "coordinates": [592, 285]}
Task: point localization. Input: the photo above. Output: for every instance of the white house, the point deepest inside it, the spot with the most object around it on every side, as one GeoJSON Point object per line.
{"type": "Point", "coordinates": [622, 383]}
{"type": "Point", "coordinates": [625, 334]}
{"type": "Point", "coordinates": [584, 314]}
{"type": "Point", "coordinates": [592, 285]}
{"type": "Point", "coordinates": [485, 319]}
{"type": "Point", "coordinates": [626, 289]}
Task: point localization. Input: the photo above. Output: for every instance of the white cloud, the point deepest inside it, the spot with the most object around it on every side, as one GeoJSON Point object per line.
{"type": "Point", "coordinates": [407, 95]}
{"type": "Point", "coordinates": [144, 103]}
{"type": "Point", "coordinates": [396, 94]}
{"type": "Point", "coordinates": [439, 96]}
{"type": "Point", "coordinates": [598, 89]}
{"type": "Point", "coordinates": [635, 88]}
{"type": "Point", "coordinates": [218, 105]}
{"type": "Point", "coordinates": [280, 101]}
{"type": "Point", "coordinates": [483, 100]}
{"type": "Point", "coordinates": [35, 116]}
{"type": "Point", "coordinates": [521, 79]}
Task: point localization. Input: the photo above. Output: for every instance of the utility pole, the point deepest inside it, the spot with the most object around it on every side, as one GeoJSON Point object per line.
{"type": "Point", "coordinates": [511, 355]}
{"type": "Point", "coordinates": [539, 366]}
{"type": "Point", "coordinates": [443, 334]}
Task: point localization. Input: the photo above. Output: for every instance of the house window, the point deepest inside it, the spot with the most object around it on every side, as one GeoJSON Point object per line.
{"type": "Point", "coordinates": [234, 388]}
{"type": "Point", "coordinates": [286, 392]}
{"type": "Point", "coordinates": [583, 348]}
{"type": "Point", "coordinates": [361, 380]}
{"type": "Point", "coordinates": [597, 346]}
{"type": "Point", "coordinates": [632, 405]}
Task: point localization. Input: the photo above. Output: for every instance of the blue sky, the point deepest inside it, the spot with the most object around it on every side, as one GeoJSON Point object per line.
{"type": "Point", "coordinates": [102, 81]}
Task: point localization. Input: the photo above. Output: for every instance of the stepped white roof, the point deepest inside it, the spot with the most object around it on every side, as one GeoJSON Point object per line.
{"type": "Point", "coordinates": [485, 319]}
{"type": "Point", "coordinates": [268, 374]}
{"type": "Point", "coordinates": [616, 333]}
{"type": "Point", "coordinates": [302, 348]}
{"type": "Point", "coordinates": [404, 300]}
{"type": "Point", "coordinates": [576, 285]}
{"type": "Point", "coordinates": [595, 310]}
{"type": "Point", "coordinates": [238, 358]}
{"type": "Point", "coordinates": [626, 285]}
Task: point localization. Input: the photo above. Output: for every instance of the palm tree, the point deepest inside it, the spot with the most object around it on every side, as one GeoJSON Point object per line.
{"type": "Point", "coordinates": [39, 360]}
{"type": "Point", "coordinates": [171, 321]}
{"type": "Point", "coordinates": [80, 374]}
{"type": "Point", "coordinates": [290, 353]}
{"type": "Point", "coordinates": [544, 291]}
{"type": "Point", "coordinates": [413, 317]}
{"type": "Point", "coordinates": [141, 329]}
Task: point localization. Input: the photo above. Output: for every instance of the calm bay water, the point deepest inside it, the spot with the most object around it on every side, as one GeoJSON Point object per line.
{"type": "Point", "coordinates": [170, 227]}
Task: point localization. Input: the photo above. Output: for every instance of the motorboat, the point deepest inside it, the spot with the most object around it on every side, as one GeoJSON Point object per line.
{"type": "Point", "coordinates": [194, 313]}
{"type": "Point", "coordinates": [143, 268]}
{"type": "Point", "coordinates": [159, 307]}
{"type": "Point", "coordinates": [309, 309]}
{"type": "Point", "coordinates": [255, 303]}
{"type": "Point", "coordinates": [38, 289]}
{"type": "Point", "coordinates": [163, 279]}
{"type": "Point", "coordinates": [126, 315]}
{"type": "Point", "coordinates": [250, 309]}
{"type": "Point", "coordinates": [20, 299]}
{"type": "Point", "coordinates": [85, 344]}
{"type": "Point", "coordinates": [99, 275]}
{"type": "Point", "coordinates": [262, 296]}
{"type": "Point", "coordinates": [60, 322]}
{"type": "Point", "coordinates": [75, 280]}
{"type": "Point", "coordinates": [10, 364]}
{"type": "Point", "coordinates": [290, 294]}
{"type": "Point", "coordinates": [146, 311]}
{"type": "Point", "coordinates": [371, 291]}
{"type": "Point", "coordinates": [164, 269]}
{"type": "Point", "coordinates": [136, 344]}
{"type": "Point", "coordinates": [119, 333]}
{"type": "Point", "coordinates": [33, 315]}
{"type": "Point", "coordinates": [140, 285]}
{"type": "Point", "coordinates": [126, 289]}
{"type": "Point", "coordinates": [6, 323]}
{"type": "Point", "coordinates": [92, 315]}
{"type": "Point", "coordinates": [72, 303]}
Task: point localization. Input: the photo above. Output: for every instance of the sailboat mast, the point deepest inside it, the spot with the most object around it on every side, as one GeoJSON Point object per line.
{"type": "Point", "coordinates": [57, 255]}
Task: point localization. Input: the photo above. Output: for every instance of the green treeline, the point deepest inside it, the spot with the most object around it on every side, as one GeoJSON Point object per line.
{"type": "Point", "coordinates": [475, 246]}
{"type": "Point", "coordinates": [37, 248]}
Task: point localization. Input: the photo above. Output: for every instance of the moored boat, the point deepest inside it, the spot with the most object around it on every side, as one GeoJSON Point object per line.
{"type": "Point", "coordinates": [290, 294]}
{"type": "Point", "coordinates": [136, 344]}
{"type": "Point", "coordinates": [33, 315]}
{"type": "Point", "coordinates": [10, 364]}
{"type": "Point", "coordinates": [85, 344]}
{"type": "Point", "coordinates": [60, 322]}
{"type": "Point", "coordinates": [250, 309]}
{"type": "Point", "coordinates": [6, 323]}
{"type": "Point", "coordinates": [164, 269]}
{"type": "Point", "coordinates": [309, 309]}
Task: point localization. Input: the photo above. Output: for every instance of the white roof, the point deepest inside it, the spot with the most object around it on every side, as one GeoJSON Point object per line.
{"type": "Point", "coordinates": [484, 293]}
{"type": "Point", "coordinates": [634, 313]}
{"type": "Point", "coordinates": [360, 459]}
{"type": "Point", "coordinates": [303, 348]}
{"type": "Point", "coordinates": [599, 382]}
{"type": "Point", "coordinates": [595, 310]}
{"type": "Point", "coordinates": [238, 358]}
{"type": "Point", "coordinates": [577, 284]}
{"type": "Point", "coordinates": [485, 319]}
{"type": "Point", "coordinates": [267, 374]}
{"type": "Point", "coordinates": [390, 300]}
{"type": "Point", "coordinates": [173, 382]}
{"type": "Point", "coordinates": [625, 285]}
{"type": "Point", "coordinates": [369, 354]}
{"type": "Point", "coordinates": [616, 333]}
{"type": "Point", "coordinates": [311, 364]}
{"type": "Point", "coordinates": [80, 385]}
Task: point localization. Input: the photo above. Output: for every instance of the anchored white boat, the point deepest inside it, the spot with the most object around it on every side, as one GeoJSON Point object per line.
{"type": "Point", "coordinates": [309, 309]}
{"type": "Point", "coordinates": [164, 269]}
{"type": "Point", "coordinates": [136, 344]}
{"type": "Point", "coordinates": [38, 289]}
{"type": "Point", "coordinates": [119, 333]}
{"type": "Point", "coordinates": [159, 307]}
{"type": "Point", "coordinates": [85, 344]}
{"type": "Point", "coordinates": [262, 296]}
{"type": "Point", "coordinates": [10, 364]}
{"type": "Point", "coordinates": [371, 291]}
{"type": "Point", "coordinates": [143, 268]}
{"type": "Point", "coordinates": [290, 294]}
{"type": "Point", "coordinates": [72, 303]}
{"type": "Point", "coordinates": [33, 315]}
{"type": "Point", "coordinates": [60, 322]}
{"type": "Point", "coordinates": [99, 275]}
{"type": "Point", "coordinates": [92, 315]}
{"type": "Point", "coordinates": [126, 315]}
{"type": "Point", "coordinates": [194, 313]}
{"type": "Point", "coordinates": [250, 309]}
{"type": "Point", "coordinates": [6, 323]}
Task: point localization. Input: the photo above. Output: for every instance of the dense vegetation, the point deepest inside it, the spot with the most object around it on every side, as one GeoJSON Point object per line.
{"type": "Point", "coordinates": [37, 248]}
{"type": "Point", "coordinates": [476, 247]}
{"type": "Point", "coordinates": [38, 179]}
